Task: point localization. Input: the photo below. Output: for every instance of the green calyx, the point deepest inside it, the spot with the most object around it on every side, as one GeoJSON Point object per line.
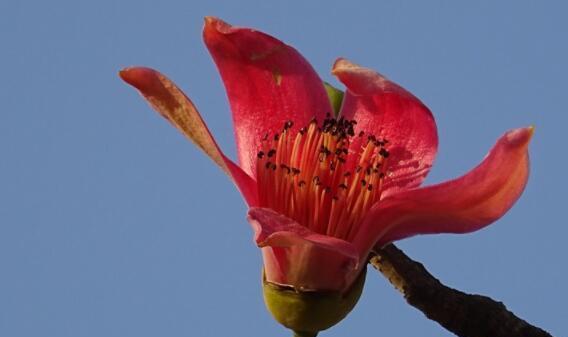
{"type": "Point", "coordinates": [308, 312]}
{"type": "Point", "coordinates": [335, 97]}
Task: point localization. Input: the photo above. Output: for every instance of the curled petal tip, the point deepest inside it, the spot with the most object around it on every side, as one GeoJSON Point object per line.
{"type": "Point", "coordinates": [126, 74]}
{"type": "Point", "coordinates": [215, 25]}
{"type": "Point", "coordinates": [139, 77]}
{"type": "Point", "coordinates": [209, 19]}
{"type": "Point", "coordinates": [341, 65]}
{"type": "Point", "coordinates": [531, 129]}
{"type": "Point", "coordinates": [520, 137]}
{"type": "Point", "coordinates": [360, 80]}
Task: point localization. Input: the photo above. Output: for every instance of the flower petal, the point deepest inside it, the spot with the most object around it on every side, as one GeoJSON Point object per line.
{"type": "Point", "coordinates": [385, 109]}
{"type": "Point", "coordinates": [267, 82]}
{"type": "Point", "coordinates": [167, 99]}
{"type": "Point", "coordinates": [462, 205]}
{"type": "Point", "coordinates": [296, 256]}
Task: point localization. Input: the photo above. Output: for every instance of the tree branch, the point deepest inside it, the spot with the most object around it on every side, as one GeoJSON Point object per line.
{"type": "Point", "coordinates": [464, 314]}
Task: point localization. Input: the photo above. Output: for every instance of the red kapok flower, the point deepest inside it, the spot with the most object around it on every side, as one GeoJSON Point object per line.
{"type": "Point", "coordinates": [324, 190]}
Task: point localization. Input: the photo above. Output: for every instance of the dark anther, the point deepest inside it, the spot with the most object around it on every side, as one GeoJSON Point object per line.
{"type": "Point", "coordinates": [316, 180]}
{"type": "Point", "coordinates": [350, 131]}
{"type": "Point", "coordinates": [343, 186]}
{"type": "Point", "coordinates": [273, 167]}
{"type": "Point", "coordinates": [288, 125]}
{"type": "Point", "coordinates": [276, 137]}
{"type": "Point", "coordinates": [295, 171]}
{"type": "Point", "coordinates": [302, 131]}
{"type": "Point", "coordinates": [361, 134]}
{"type": "Point", "coordinates": [363, 182]}
{"type": "Point", "coordinates": [302, 183]}
{"type": "Point", "coordinates": [260, 155]}
{"type": "Point", "coordinates": [329, 125]}
{"type": "Point", "coordinates": [268, 165]}
{"type": "Point", "coordinates": [358, 169]}
{"type": "Point", "coordinates": [271, 153]}
{"type": "Point", "coordinates": [384, 153]}
{"type": "Point", "coordinates": [324, 150]}
{"type": "Point", "coordinates": [381, 175]}
{"type": "Point", "coordinates": [284, 167]}
{"type": "Point", "coordinates": [370, 187]}
{"type": "Point", "coordinates": [347, 174]}
{"type": "Point", "coordinates": [335, 198]}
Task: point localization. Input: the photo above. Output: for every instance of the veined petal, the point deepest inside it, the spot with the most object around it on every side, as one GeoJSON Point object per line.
{"type": "Point", "coordinates": [167, 99]}
{"type": "Point", "coordinates": [462, 205]}
{"type": "Point", "coordinates": [268, 83]}
{"type": "Point", "coordinates": [296, 256]}
{"type": "Point", "coordinates": [385, 109]}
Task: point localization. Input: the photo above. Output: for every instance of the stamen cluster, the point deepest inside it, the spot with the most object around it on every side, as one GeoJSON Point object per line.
{"type": "Point", "coordinates": [314, 176]}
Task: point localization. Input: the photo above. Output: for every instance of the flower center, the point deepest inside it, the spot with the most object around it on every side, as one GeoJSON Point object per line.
{"type": "Point", "coordinates": [314, 177]}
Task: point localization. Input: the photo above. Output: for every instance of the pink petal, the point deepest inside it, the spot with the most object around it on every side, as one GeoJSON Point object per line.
{"type": "Point", "coordinates": [385, 109]}
{"type": "Point", "coordinates": [167, 99]}
{"type": "Point", "coordinates": [462, 205]}
{"type": "Point", "coordinates": [267, 82]}
{"type": "Point", "coordinates": [296, 256]}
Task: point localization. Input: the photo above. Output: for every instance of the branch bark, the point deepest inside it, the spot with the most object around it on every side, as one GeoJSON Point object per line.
{"type": "Point", "coordinates": [466, 315]}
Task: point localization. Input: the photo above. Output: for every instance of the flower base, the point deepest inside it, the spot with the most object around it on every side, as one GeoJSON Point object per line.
{"type": "Point", "coordinates": [308, 312]}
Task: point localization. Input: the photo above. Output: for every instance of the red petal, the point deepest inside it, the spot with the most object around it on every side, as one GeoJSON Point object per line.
{"type": "Point", "coordinates": [388, 111]}
{"type": "Point", "coordinates": [463, 205]}
{"type": "Point", "coordinates": [296, 256]}
{"type": "Point", "coordinates": [267, 82]}
{"type": "Point", "coordinates": [166, 98]}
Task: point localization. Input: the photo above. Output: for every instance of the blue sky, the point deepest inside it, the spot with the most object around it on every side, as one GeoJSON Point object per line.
{"type": "Point", "coordinates": [112, 224]}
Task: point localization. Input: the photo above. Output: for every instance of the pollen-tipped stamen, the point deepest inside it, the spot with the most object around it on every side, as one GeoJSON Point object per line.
{"type": "Point", "coordinates": [304, 175]}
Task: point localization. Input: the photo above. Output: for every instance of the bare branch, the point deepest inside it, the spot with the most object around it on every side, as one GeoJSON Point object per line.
{"type": "Point", "coordinates": [463, 314]}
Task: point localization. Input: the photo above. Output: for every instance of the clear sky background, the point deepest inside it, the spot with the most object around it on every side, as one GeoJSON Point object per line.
{"type": "Point", "coordinates": [112, 224]}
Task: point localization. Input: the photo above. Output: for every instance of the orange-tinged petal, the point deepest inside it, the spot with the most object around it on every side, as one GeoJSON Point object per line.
{"type": "Point", "coordinates": [462, 205]}
{"type": "Point", "coordinates": [167, 99]}
{"type": "Point", "coordinates": [385, 109]}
